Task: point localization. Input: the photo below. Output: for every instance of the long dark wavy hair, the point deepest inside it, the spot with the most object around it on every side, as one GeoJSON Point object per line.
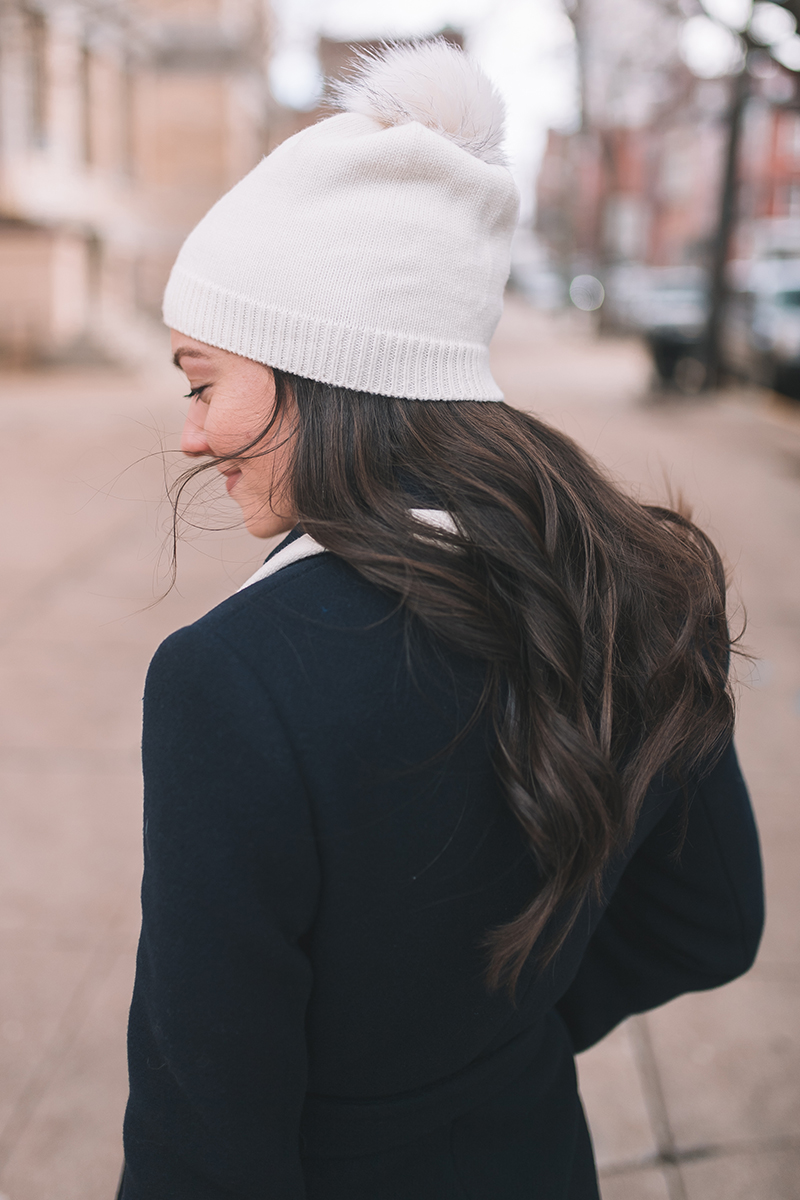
{"type": "Point", "coordinates": [599, 621]}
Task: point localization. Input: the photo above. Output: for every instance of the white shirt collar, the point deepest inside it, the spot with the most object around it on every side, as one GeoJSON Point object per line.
{"type": "Point", "coordinates": [306, 547]}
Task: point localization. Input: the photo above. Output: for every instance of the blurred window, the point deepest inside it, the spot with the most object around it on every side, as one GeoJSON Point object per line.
{"type": "Point", "coordinates": [86, 105]}
{"type": "Point", "coordinates": [678, 295]}
{"type": "Point", "coordinates": [790, 136]}
{"type": "Point", "coordinates": [37, 76]}
{"type": "Point", "coordinates": [677, 172]}
{"type": "Point", "coordinates": [787, 197]}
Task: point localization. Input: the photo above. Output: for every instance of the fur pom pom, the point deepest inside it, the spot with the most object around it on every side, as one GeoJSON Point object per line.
{"type": "Point", "coordinates": [434, 83]}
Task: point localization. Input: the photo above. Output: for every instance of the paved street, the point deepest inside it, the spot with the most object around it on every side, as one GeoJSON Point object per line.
{"type": "Point", "coordinates": [699, 1101]}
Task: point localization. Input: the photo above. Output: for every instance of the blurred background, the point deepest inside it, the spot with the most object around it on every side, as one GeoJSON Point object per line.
{"type": "Point", "coordinates": [653, 313]}
{"type": "Point", "coordinates": [656, 145]}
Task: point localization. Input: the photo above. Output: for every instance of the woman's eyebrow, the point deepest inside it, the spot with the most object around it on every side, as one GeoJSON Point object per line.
{"type": "Point", "coordinates": [185, 352]}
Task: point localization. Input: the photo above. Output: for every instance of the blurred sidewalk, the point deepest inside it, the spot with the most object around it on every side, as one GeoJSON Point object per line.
{"type": "Point", "coordinates": [699, 1101]}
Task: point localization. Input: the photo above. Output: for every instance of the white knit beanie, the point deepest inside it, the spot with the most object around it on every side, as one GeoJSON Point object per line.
{"type": "Point", "coordinates": [370, 250]}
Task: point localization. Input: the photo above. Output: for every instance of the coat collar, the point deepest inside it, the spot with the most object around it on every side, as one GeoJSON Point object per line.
{"type": "Point", "coordinates": [294, 547]}
{"type": "Point", "coordinates": [298, 545]}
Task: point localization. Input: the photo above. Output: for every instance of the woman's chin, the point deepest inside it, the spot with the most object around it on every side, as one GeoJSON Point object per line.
{"type": "Point", "coordinates": [267, 525]}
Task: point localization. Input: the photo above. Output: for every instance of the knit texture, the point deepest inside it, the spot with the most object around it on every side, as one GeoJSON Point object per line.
{"type": "Point", "coordinates": [367, 256]}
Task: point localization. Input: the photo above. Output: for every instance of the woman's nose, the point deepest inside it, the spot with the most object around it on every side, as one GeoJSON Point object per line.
{"type": "Point", "coordinates": [193, 438]}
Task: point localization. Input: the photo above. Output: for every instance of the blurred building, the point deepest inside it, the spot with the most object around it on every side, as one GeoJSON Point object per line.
{"type": "Point", "coordinates": [612, 192]}
{"type": "Point", "coordinates": [610, 196]}
{"type": "Point", "coordinates": [769, 184]}
{"type": "Point", "coordinates": [640, 182]}
{"type": "Point", "coordinates": [121, 122]}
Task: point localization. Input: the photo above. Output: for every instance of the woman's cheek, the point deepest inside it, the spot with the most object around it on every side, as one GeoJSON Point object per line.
{"type": "Point", "coordinates": [226, 436]}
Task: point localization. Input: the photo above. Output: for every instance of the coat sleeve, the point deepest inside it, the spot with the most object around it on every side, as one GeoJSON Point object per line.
{"type": "Point", "coordinates": [217, 1054]}
{"type": "Point", "coordinates": [683, 917]}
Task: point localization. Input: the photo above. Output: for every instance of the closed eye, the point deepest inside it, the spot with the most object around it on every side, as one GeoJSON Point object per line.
{"type": "Point", "coordinates": [196, 392]}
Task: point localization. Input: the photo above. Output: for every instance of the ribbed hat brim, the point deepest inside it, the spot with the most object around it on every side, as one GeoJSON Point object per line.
{"type": "Point", "coordinates": [366, 360]}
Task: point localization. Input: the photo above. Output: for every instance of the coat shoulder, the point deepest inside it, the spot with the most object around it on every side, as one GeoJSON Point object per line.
{"type": "Point", "coordinates": [315, 626]}
{"type": "Point", "coordinates": [312, 594]}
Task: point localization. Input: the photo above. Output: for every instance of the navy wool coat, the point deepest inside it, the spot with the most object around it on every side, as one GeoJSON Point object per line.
{"type": "Point", "coordinates": [310, 1019]}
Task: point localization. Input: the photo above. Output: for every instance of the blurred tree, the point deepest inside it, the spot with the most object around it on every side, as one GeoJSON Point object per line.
{"type": "Point", "coordinates": [761, 32]}
{"type": "Point", "coordinates": [652, 178]}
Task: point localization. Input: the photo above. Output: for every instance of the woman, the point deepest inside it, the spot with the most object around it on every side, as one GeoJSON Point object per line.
{"type": "Point", "coordinates": [447, 789]}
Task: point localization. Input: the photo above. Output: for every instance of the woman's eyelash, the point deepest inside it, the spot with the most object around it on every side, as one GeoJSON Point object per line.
{"type": "Point", "coordinates": [195, 392]}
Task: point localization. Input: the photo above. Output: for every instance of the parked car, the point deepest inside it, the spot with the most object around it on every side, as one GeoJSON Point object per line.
{"type": "Point", "coordinates": [768, 301]}
{"type": "Point", "coordinates": [669, 307]}
{"type": "Point", "coordinates": [542, 286]}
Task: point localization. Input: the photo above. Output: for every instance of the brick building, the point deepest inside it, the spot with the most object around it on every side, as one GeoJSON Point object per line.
{"type": "Point", "coordinates": [769, 187]}
{"type": "Point", "coordinates": [122, 121]}
{"type": "Point", "coordinates": [650, 194]}
{"type": "Point", "coordinates": [621, 195]}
